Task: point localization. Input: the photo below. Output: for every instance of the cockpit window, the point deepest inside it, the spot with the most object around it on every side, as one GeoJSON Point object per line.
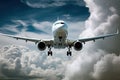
{"type": "Point", "coordinates": [62, 23]}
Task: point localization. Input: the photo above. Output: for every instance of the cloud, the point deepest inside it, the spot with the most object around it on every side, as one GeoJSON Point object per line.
{"type": "Point", "coordinates": [43, 4]}
{"type": "Point", "coordinates": [10, 61]}
{"type": "Point", "coordinates": [45, 26]}
{"type": "Point", "coordinates": [75, 28]}
{"type": "Point", "coordinates": [51, 3]}
{"type": "Point", "coordinates": [99, 65]}
{"type": "Point", "coordinates": [10, 28]}
{"type": "Point", "coordinates": [16, 26]}
{"type": "Point", "coordinates": [94, 62]}
{"type": "Point", "coordinates": [104, 19]}
{"type": "Point", "coordinates": [107, 68]}
{"type": "Point", "coordinates": [19, 61]}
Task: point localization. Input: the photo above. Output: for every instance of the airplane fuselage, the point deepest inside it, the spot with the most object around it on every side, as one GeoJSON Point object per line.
{"type": "Point", "coordinates": [60, 33]}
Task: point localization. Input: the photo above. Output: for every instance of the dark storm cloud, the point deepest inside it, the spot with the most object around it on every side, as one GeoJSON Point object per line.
{"type": "Point", "coordinates": [105, 19]}
{"type": "Point", "coordinates": [94, 62]}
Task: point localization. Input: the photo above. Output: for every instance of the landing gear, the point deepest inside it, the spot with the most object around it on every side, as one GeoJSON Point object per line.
{"type": "Point", "coordinates": [69, 53]}
{"type": "Point", "coordinates": [49, 52]}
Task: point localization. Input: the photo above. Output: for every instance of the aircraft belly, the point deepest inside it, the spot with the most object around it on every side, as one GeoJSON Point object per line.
{"type": "Point", "coordinates": [60, 32]}
{"type": "Point", "coordinates": [60, 47]}
{"type": "Point", "coordinates": [60, 38]}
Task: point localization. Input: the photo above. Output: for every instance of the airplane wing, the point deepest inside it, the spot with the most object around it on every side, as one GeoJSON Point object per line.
{"type": "Point", "coordinates": [21, 38]}
{"type": "Point", "coordinates": [51, 41]}
{"type": "Point", "coordinates": [97, 37]}
{"type": "Point", "coordinates": [28, 39]}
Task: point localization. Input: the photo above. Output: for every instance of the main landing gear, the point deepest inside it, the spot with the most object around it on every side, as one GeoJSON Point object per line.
{"type": "Point", "coordinates": [69, 53]}
{"type": "Point", "coordinates": [50, 52]}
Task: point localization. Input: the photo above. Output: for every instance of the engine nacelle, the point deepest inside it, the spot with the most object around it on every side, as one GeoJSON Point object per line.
{"type": "Point", "coordinates": [41, 46]}
{"type": "Point", "coordinates": [78, 46]}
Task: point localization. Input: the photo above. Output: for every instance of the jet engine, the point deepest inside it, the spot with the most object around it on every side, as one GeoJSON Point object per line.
{"type": "Point", "coordinates": [78, 46]}
{"type": "Point", "coordinates": [41, 46]}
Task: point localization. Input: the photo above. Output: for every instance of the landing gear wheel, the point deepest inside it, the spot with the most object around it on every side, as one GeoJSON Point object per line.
{"type": "Point", "coordinates": [49, 53]}
{"type": "Point", "coordinates": [69, 53]}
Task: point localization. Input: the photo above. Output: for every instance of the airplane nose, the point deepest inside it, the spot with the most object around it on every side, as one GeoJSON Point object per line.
{"type": "Point", "coordinates": [61, 26]}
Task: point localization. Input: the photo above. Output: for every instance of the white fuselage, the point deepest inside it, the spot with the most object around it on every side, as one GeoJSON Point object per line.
{"type": "Point", "coordinates": [60, 33]}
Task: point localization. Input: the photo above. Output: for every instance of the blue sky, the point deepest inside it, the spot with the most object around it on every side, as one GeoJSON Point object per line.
{"type": "Point", "coordinates": [21, 10]}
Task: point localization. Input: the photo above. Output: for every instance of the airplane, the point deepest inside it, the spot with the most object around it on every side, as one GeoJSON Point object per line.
{"type": "Point", "coordinates": [60, 40]}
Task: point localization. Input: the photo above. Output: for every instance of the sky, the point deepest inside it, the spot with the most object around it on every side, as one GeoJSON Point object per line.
{"type": "Point", "coordinates": [31, 11]}
{"type": "Point", "coordinates": [34, 18]}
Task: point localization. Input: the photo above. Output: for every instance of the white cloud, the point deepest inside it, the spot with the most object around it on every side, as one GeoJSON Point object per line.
{"type": "Point", "coordinates": [43, 3]}
{"type": "Point", "coordinates": [74, 29]}
{"type": "Point", "coordinates": [20, 61]}
{"type": "Point", "coordinates": [107, 68]}
{"type": "Point", "coordinates": [45, 26]}
{"type": "Point", "coordinates": [23, 23]}
{"type": "Point", "coordinates": [81, 68]}
{"type": "Point", "coordinates": [12, 28]}
{"type": "Point", "coordinates": [51, 3]}
{"type": "Point", "coordinates": [85, 65]}
{"type": "Point", "coordinates": [94, 63]}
